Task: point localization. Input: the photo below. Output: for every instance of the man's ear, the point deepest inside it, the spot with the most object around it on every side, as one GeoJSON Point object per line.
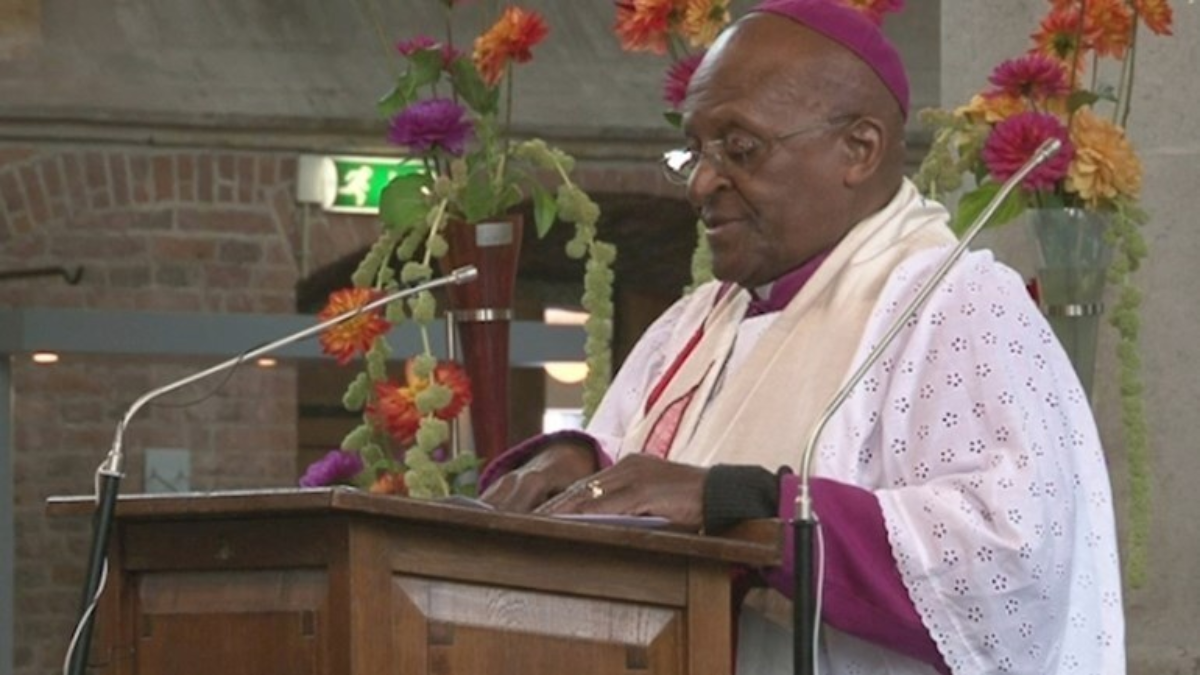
{"type": "Point", "coordinates": [864, 143]}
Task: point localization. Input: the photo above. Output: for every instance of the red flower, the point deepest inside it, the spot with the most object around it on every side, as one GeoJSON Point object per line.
{"type": "Point", "coordinates": [355, 335]}
{"type": "Point", "coordinates": [678, 78]}
{"type": "Point", "coordinates": [511, 38]}
{"type": "Point", "coordinates": [1013, 141]}
{"type": "Point", "coordinates": [395, 407]}
{"type": "Point", "coordinates": [395, 411]}
{"type": "Point", "coordinates": [1034, 76]}
{"type": "Point", "coordinates": [644, 25]}
{"type": "Point", "coordinates": [451, 375]}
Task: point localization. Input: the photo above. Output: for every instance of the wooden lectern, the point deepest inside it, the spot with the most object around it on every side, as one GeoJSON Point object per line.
{"type": "Point", "coordinates": [345, 583]}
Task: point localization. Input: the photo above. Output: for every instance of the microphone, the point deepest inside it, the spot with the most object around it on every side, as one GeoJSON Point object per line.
{"type": "Point", "coordinates": [805, 605]}
{"type": "Point", "coordinates": [108, 474]}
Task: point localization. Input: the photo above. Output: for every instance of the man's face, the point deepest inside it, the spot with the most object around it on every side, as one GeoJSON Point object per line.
{"type": "Point", "coordinates": [771, 210]}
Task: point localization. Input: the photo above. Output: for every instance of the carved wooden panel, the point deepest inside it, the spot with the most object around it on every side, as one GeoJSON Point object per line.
{"type": "Point", "coordinates": [231, 623]}
{"type": "Point", "coordinates": [450, 628]}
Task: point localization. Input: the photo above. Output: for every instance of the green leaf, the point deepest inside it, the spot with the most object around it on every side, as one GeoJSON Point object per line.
{"type": "Point", "coordinates": [425, 67]}
{"type": "Point", "coordinates": [392, 102]}
{"type": "Point", "coordinates": [973, 203]}
{"type": "Point", "coordinates": [402, 203]}
{"type": "Point", "coordinates": [477, 200]}
{"type": "Point", "coordinates": [1081, 98]}
{"type": "Point", "coordinates": [674, 118]}
{"type": "Point", "coordinates": [545, 210]}
{"type": "Point", "coordinates": [472, 89]}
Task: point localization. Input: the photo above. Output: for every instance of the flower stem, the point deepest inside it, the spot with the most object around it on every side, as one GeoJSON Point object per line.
{"type": "Point", "coordinates": [1075, 59]}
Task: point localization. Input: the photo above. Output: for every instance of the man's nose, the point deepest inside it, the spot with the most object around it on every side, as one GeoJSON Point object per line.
{"type": "Point", "coordinates": [706, 180]}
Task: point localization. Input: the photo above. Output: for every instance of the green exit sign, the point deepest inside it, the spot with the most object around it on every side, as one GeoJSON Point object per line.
{"type": "Point", "coordinates": [353, 184]}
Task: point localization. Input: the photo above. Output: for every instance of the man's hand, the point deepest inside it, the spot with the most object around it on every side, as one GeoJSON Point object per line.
{"type": "Point", "coordinates": [547, 474]}
{"type": "Point", "coordinates": [639, 485]}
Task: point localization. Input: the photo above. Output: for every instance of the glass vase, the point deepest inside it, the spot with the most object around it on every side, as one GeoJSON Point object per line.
{"type": "Point", "coordinates": [1072, 268]}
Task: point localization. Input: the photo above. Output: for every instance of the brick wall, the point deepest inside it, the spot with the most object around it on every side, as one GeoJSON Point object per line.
{"type": "Point", "coordinates": [171, 230]}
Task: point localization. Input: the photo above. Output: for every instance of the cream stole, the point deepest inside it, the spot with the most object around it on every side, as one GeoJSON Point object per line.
{"type": "Point", "coordinates": [767, 407]}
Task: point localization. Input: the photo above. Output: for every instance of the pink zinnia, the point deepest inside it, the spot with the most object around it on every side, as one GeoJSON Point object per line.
{"type": "Point", "coordinates": [423, 42]}
{"type": "Point", "coordinates": [1013, 141]}
{"type": "Point", "coordinates": [678, 78]}
{"type": "Point", "coordinates": [416, 44]}
{"type": "Point", "coordinates": [1033, 75]}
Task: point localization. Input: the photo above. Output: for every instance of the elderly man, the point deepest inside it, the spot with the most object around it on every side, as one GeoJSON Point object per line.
{"type": "Point", "coordinates": [965, 510]}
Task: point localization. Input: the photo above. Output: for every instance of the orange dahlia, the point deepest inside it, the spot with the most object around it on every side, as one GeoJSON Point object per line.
{"type": "Point", "coordinates": [992, 107]}
{"type": "Point", "coordinates": [644, 25]}
{"type": "Point", "coordinates": [1105, 166]}
{"type": "Point", "coordinates": [1157, 15]}
{"type": "Point", "coordinates": [1109, 26]}
{"type": "Point", "coordinates": [1059, 34]}
{"type": "Point", "coordinates": [395, 411]}
{"type": "Point", "coordinates": [448, 374]}
{"type": "Point", "coordinates": [355, 335]}
{"type": "Point", "coordinates": [511, 38]}
{"type": "Point", "coordinates": [703, 20]}
{"type": "Point", "coordinates": [389, 483]}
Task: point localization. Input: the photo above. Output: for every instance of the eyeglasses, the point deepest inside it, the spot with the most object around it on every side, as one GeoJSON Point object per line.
{"type": "Point", "coordinates": [740, 150]}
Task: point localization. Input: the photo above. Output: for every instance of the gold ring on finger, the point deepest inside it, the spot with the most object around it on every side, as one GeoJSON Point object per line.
{"type": "Point", "coordinates": [595, 488]}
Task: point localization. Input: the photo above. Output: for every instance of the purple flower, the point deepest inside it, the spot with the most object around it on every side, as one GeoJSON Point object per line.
{"type": "Point", "coordinates": [678, 78]}
{"type": "Point", "coordinates": [336, 467]}
{"type": "Point", "coordinates": [1032, 75]}
{"type": "Point", "coordinates": [1013, 141]}
{"type": "Point", "coordinates": [437, 122]}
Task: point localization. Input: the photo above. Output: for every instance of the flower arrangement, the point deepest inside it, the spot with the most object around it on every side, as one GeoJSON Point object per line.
{"type": "Point", "coordinates": [682, 30]}
{"type": "Point", "coordinates": [1057, 90]}
{"type": "Point", "coordinates": [451, 111]}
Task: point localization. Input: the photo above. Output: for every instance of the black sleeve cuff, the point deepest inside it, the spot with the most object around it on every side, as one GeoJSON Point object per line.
{"type": "Point", "coordinates": [733, 493]}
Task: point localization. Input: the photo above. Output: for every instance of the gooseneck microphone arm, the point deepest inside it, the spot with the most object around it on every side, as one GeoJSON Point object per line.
{"type": "Point", "coordinates": [806, 623]}
{"type": "Point", "coordinates": [108, 474]}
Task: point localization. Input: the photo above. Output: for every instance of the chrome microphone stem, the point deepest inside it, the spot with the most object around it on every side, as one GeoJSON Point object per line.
{"type": "Point", "coordinates": [108, 474]}
{"type": "Point", "coordinates": [112, 463]}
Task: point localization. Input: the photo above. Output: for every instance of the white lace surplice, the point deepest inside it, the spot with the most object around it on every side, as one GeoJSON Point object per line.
{"type": "Point", "coordinates": [975, 436]}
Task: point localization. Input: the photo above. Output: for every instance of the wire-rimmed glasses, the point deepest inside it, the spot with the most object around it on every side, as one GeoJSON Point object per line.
{"type": "Point", "coordinates": [742, 150]}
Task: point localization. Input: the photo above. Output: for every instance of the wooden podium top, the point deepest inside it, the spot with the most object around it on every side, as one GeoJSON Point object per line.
{"type": "Point", "coordinates": [755, 543]}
